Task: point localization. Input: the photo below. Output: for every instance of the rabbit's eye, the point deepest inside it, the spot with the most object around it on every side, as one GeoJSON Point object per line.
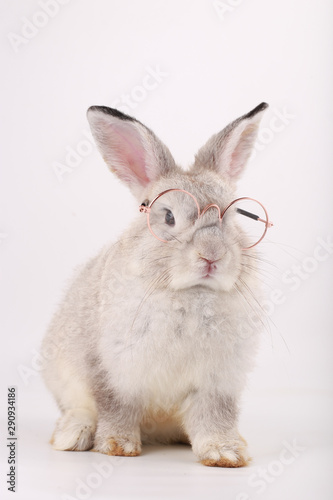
{"type": "Point", "coordinates": [169, 218]}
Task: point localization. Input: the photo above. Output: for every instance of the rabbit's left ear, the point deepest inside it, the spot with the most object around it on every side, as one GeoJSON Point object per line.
{"type": "Point", "coordinates": [228, 151]}
{"type": "Point", "coordinates": [131, 150]}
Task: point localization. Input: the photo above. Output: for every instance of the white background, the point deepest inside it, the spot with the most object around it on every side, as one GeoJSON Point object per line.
{"type": "Point", "coordinates": [215, 64]}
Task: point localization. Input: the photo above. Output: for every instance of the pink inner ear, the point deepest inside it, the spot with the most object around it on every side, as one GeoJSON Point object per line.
{"type": "Point", "coordinates": [242, 151]}
{"type": "Point", "coordinates": [129, 153]}
{"type": "Point", "coordinates": [236, 163]}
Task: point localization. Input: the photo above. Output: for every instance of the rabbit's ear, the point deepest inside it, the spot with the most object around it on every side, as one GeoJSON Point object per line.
{"type": "Point", "coordinates": [228, 151]}
{"type": "Point", "coordinates": [129, 148]}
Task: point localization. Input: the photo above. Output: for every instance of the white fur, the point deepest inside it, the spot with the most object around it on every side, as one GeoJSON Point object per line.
{"type": "Point", "coordinates": [75, 430]}
{"type": "Point", "coordinates": [149, 344]}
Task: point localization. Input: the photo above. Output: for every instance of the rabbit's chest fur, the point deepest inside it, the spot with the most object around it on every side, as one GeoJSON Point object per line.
{"type": "Point", "coordinates": [172, 342]}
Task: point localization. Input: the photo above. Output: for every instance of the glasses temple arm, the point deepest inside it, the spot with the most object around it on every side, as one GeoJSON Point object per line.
{"type": "Point", "coordinates": [253, 216]}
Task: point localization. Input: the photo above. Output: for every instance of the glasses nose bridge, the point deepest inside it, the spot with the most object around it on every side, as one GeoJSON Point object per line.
{"type": "Point", "coordinates": [208, 207]}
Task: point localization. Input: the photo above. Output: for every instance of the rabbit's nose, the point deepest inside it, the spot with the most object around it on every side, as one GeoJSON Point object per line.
{"type": "Point", "coordinates": [209, 262]}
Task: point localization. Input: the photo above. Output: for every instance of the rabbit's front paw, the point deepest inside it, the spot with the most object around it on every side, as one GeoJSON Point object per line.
{"type": "Point", "coordinates": [75, 430]}
{"type": "Point", "coordinates": [223, 453]}
{"type": "Point", "coordinates": [119, 446]}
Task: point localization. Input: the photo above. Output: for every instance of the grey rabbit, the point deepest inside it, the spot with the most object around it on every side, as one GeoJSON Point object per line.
{"type": "Point", "coordinates": [156, 335]}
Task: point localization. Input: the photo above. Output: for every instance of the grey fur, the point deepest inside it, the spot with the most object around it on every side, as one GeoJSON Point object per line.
{"type": "Point", "coordinates": [140, 334]}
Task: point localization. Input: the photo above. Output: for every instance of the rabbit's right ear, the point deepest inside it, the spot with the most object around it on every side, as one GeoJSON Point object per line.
{"type": "Point", "coordinates": [228, 151]}
{"type": "Point", "coordinates": [130, 149]}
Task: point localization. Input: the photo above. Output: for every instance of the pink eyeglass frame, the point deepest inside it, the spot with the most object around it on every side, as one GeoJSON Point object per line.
{"type": "Point", "coordinates": [147, 209]}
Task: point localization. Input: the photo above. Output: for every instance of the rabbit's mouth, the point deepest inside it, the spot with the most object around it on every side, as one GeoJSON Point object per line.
{"type": "Point", "coordinates": [210, 278]}
{"type": "Point", "coordinates": [214, 268]}
{"type": "Point", "coordinates": [217, 274]}
{"type": "Point", "coordinates": [209, 269]}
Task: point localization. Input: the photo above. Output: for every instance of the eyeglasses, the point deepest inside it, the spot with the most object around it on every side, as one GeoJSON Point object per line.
{"type": "Point", "coordinates": [174, 211]}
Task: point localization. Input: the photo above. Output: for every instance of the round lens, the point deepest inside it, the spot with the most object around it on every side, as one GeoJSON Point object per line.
{"type": "Point", "coordinates": [171, 215]}
{"type": "Point", "coordinates": [250, 217]}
